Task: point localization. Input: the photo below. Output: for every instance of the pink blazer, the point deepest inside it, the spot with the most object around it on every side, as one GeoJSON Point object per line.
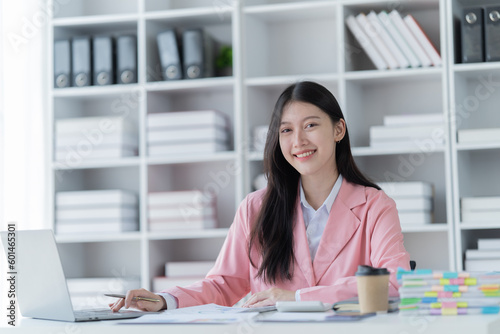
{"type": "Point", "coordinates": [363, 228]}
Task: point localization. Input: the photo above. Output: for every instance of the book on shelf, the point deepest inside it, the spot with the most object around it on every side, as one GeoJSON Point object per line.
{"type": "Point", "coordinates": [187, 197]}
{"type": "Point", "coordinates": [89, 214]}
{"type": "Point", "coordinates": [182, 212]}
{"type": "Point", "coordinates": [416, 203]}
{"type": "Point", "coordinates": [399, 39]}
{"type": "Point", "coordinates": [365, 43]}
{"type": "Point", "coordinates": [180, 135]}
{"type": "Point", "coordinates": [97, 139]}
{"type": "Point", "coordinates": [479, 135]}
{"type": "Point", "coordinates": [482, 254]}
{"type": "Point", "coordinates": [483, 216]}
{"type": "Point", "coordinates": [176, 119]}
{"type": "Point", "coordinates": [400, 24]}
{"type": "Point", "coordinates": [74, 155]}
{"type": "Point", "coordinates": [381, 132]}
{"type": "Point", "coordinates": [389, 42]}
{"type": "Point", "coordinates": [414, 119]}
{"type": "Point", "coordinates": [407, 189]}
{"type": "Point", "coordinates": [177, 269]}
{"type": "Point", "coordinates": [106, 226]}
{"type": "Point", "coordinates": [104, 124]}
{"type": "Point", "coordinates": [482, 264]}
{"type": "Point", "coordinates": [161, 283]}
{"type": "Point", "coordinates": [488, 244]}
{"type": "Point", "coordinates": [480, 203]}
{"type": "Point", "coordinates": [95, 198]}
{"type": "Point", "coordinates": [187, 148]}
{"type": "Point", "coordinates": [423, 39]}
{"type": "Point", "coordinates": [415, 218]}
{"type": "Point", "coordinates": [373, 35]}
{"type": "Point", "coordinates": [182, 225]}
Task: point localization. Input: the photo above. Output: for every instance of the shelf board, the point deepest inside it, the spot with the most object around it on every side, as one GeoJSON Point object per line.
{"type": "Point", "coordinates": [198, 16]}
{"type": "Point", "coordinates": [189, 158]}
{"type": "Point", "coordinates": [216, 83]}
{"type": "Point", "coordinates": [91, 91]}
{"type": "Point", "coordinates": [479, 226]}
{"type": "Point", "coordinates": [369, 151]}
{"type": "Point", "coordinates": [286, 80]}
{"type": "Point", "coordinates": [424, 228]}
{"type": "Point", "coordinates": [200, 234]}
{"type": "Point", "coordinates": [397, 75]}
{"type": "Point", "coordinates": [79, 21]}
{"type": "Point", "coordinates": [101, 163]}
{"type": "Point", "coordinates": [471, 70]}
{"type": "Point", "coordinates": [96, 237]}
{"type": "Point", "coordinates": [478, 146]}
{"type": "Point", "coordinates": [292, 11]}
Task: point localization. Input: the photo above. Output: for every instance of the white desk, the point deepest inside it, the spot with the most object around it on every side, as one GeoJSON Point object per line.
{"type": "Point", "coordinates": [381, 324]}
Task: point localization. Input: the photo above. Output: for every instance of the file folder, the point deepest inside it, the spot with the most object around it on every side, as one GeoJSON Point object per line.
{"type": "Point", "coordinates": [126, 59]}
{"type": "Point", "coordinates": [472, 35]}
{"type": "Point", "coordinates": [492, 33]}
{"type": "Point", "coordinates": [82, 61]}
{"type": "Point", "coordinates": [198, 54]}
{"type": "Point", "coordinates": [62, 63]}
{"type": "Point", "coordinates": [170, 59]}
{"type": "Point", "coordinates": [103, 58]}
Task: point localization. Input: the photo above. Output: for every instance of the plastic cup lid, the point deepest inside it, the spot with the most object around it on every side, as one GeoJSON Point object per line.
{"type": "Point", "coordinates": [370, 271]}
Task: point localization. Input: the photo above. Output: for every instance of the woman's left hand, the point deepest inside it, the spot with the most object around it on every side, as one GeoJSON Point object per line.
{"type": "Point", "coordinates": [269, 297]}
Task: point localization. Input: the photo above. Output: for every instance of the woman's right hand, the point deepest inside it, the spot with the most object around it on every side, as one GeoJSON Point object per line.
{"type": "Point", "coordinates": [142, 305]}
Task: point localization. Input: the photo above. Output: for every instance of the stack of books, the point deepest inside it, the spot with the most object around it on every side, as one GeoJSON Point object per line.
{"type": "Point", "coordinates": [391, 41]}
{"type": "Point", "coordinates": [472, 136]}
{"type": "Point", "coordinates": [96, 211]}
{"type": "Point", "coordinates": [426, 131]}
{"type": "Point", "coordinates": [87, 293]}
{"type": "Point", "coordinates": [187, 132]}
{"type": "Point", "coordinates": [181, 210]}
{"type": "Point", "coordinates": [182, 273]}
{"type": "Point", "coordinates": [480, 209]}
{"type": "Point", "coordinates": [88, 138]}
{"type": "Point", "coordinates": [428, 292]}
{"type": "Point", "coordinates": [485, 258]}
{"type": "Point", "coordinates": [413, 201]}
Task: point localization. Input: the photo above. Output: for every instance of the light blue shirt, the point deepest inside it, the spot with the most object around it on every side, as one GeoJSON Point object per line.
{"type": "Point", "coordinates": [315, 220]}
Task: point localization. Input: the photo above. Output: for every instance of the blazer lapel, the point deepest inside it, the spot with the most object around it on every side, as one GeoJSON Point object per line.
{"type": "Point", "coordinates": [340, 227]}
{"type": "Point", "coordinates": [301, 247]}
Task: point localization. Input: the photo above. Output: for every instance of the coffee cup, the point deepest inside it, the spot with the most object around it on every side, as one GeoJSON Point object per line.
{"type": "Point", "coordinates": [373, 289]}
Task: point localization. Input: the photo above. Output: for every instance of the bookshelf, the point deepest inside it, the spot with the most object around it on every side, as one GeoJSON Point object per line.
{"type": "Point", "coordinates": [275, 43]}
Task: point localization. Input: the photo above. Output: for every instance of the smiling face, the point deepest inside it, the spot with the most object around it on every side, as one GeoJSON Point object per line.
{"type": "Point", "coordinates": [307, 138]}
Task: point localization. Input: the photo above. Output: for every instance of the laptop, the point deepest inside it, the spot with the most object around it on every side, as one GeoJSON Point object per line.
{"type": "Point", "coordinates": [42, 291]}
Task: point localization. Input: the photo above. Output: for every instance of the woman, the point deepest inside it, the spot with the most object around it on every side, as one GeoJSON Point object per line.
{"type": "Point", "coordinates": [303, 236]}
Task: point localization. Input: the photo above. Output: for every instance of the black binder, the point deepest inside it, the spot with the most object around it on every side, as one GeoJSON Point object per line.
{"type": "Point", "coordinates": [103, 59]}
{"type": "Point", "coordinates": [472, 35]}
{"type": "Point", "coordinates": [492, 33]}
{"type": "Point", "coordinates": [170, 59]}
{"type": "Point", "coordinates": [62, 63]}
{"type": "Point", "coordinates": [198, 54]}
{"type": "Point", "coordinates": [126, 59]}
{"type": "Point", "coordinates": [82, 61]}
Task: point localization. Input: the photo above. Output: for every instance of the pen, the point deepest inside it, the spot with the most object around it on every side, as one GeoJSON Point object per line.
{"type": "Point", "coordinates": [135, 298]}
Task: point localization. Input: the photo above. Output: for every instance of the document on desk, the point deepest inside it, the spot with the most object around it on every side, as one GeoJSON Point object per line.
{"type": "Point", "coordinates": [203, 314]}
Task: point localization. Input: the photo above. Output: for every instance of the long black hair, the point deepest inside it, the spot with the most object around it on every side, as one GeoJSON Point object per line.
{"type": "Point", "coordinates": [272, 233]}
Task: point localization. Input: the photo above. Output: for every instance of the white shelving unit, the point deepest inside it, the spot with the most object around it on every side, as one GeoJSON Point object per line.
{"type": "Point", "coordinates": [275, 43]}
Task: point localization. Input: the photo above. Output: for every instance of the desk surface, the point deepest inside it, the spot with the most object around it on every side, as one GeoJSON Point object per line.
{"type": "Point", "coordinates": [381, 324]}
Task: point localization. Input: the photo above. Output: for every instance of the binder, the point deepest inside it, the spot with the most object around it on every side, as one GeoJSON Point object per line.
{"type": "Point", "coordinates": [365, 43]}
{"type": "Point", "coordinates": [170, 59]}
{"type": "Point", "coordinates": [103, 59]}
{"type": "Point", "coordinates": [492, 33]}
{"type": "Point", "coordinates": [407, 35]}
{"type": "Point", "coordinates": [126, 59]}
{"type": "Point", "coordinates": [198, 54]}
{"type": "Point", "coordinates": [472, 35]}
{"type": "Point", "coordinates": [400, 41]}
{"type": "Point", "coordinates": [62, 63]}
{"type": "Point", "coordinates": [372, 33]}
{"type": "Point", "coordinates": [81, 61]}
{"type": "Point", "coordinates": [388, 40]}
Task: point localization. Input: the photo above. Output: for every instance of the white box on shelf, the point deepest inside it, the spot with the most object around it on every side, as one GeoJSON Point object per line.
{"type": "Point", "coordinates": [95, 198]}
{"type": "Point", "coordinates": [187, 225]}
{"type": "Point", "coordinates": [89, 214]}
{"type": "Point", "coordinates": [482, 264]}
{"type": "Point", "coordinates": [81, 139]}
{"type": "Point", "coordinates": [484, 216]}
{"type": "Point", "coordinates": [104, 125]}
{"type": "Point", "coordinates": [188, 268]}
{"type": "Point", "coordinates": [397, 132]}
{"type": "Point", "coordinates": [415, 218]}
{"type": "Point", "coordinates": [413, 204]}
{"type": "Point", "coordinates": [75, 154]}
{"type": "Point", "coordinates": [178, 119]}
{"type": "Point", "coordinates": [187, 148]}
{"type": "Point", "coordinates": [181, 212]}
{"type": "Point", "coordinates": [480, 203]}
{"type": "Point", "coordinates": [482, 254]}
{"type": "Point", "coordinates": [187, 134]}
{"type": "Point", "coordinates": [407, 189]}
{"type": "Point", "coordinates": [488, 244]}
{"type": "Point", "coordinates": [65, 227]}
{"type": "Point", "coordinates": [414, 119]}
